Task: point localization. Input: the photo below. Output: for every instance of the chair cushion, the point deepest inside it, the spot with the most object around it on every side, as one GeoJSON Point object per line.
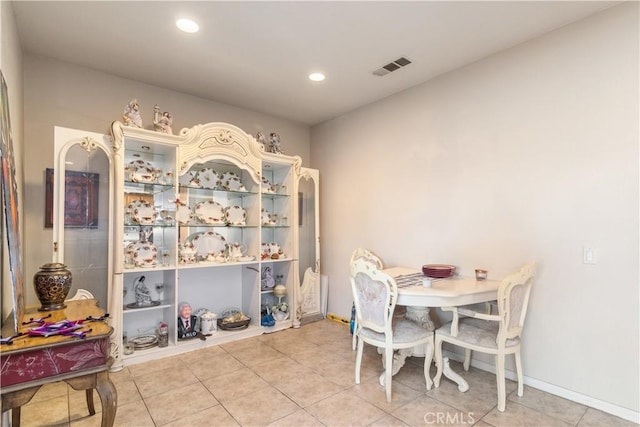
{"type": "Point", "coordinates": [478, 332]}
{"type": "Point", "coordinates": [404, 332]}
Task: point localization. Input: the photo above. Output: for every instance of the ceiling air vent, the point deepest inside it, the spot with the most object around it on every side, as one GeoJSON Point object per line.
{"type": "Point", "coordinates": [392, 66]}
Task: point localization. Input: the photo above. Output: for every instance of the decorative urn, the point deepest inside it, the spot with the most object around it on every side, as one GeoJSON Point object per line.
{"type": "Point", "coordinates": [52, 284]}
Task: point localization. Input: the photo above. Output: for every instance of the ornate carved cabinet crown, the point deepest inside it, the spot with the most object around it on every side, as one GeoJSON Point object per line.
{"type": "Point", "coordinates": [205, 218]}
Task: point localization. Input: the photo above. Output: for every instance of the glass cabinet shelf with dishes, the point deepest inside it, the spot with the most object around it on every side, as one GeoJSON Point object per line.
{"type": "Point", "coordinates": [205, 218]}
{"type": "Point", "coordinates": [218, 215]}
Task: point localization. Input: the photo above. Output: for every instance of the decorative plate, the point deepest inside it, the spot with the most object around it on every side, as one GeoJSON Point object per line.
{"type": "Point", "coordinates": [128, 210]}
{"type": "Point", "coordinates": [234, 184]}
{"type": "Point", "coordinates": [266, 218]}
{"type": "Point", "coordinates": [235, 215]}
{"type": "Point", "coordinates": [134, 305]}
{"type": "Point", "coordinates": [208, 178]}
{"type": "Point", "coordinates": [141, 171]}
{"type": "Point", "coordinates": [246, 258]}
{"type": "Point", "coordinates": [144, 341]}
{"type": "Point", "coordinates": [144, 214]}
{"type": "Point", "coordinates": [210, 212]}
{"type": "Point", "coordinates": [144, 254]}
{"type": "Point", "coordinates": [267, 187]}
{"type": "Point", "coordinates": [208, 244]}
{"type": "Point", "coordinates": [187, 178]}
{"type": "Point", "coordinates": [183, 214]}
{"type": "Point", "coordinates": [230, 176]}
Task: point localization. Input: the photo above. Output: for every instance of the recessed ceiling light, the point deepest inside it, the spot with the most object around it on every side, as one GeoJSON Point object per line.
{"type": "Point", "coordinates": [187, 25]}
{"type": "Point", "coordinates": [316, 77]}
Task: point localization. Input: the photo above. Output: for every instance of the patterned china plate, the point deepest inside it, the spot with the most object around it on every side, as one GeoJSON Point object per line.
{"type": "Point", "coordinates": [210, 212]}
{"type": "Point", "coordinates": [230, 176]}
{"type": "Point", "coordinates": [234, 184]}
{"type": "Point", "coordinates": [235, 215]}
{"type": "Point", "coordinates": [141, 171]}
{"type": "Point", "coordinates": [267, 187]}
{"type": "Point", "coordinates": [144, 214]}
{"type": "Point", "coordinates": [266, 218]}
{"type": "Point", "coordinates": [187, 178]}
{"type": "Point", "coordinates": [208, 243]}
{"type": "Point", "coordinates": [183, 214]}
{"type": "Point", "coordinates": [144, 254]}
{"type": "Point", "coordinates": [208, 178]}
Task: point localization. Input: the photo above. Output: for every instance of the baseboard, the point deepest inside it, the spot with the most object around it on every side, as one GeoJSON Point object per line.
{"type": "Point", "coordinates": [601, 405]}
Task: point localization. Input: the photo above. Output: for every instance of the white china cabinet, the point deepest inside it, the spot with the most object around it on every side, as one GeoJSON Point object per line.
{"type": "Point", "coordinates": [204, 217]}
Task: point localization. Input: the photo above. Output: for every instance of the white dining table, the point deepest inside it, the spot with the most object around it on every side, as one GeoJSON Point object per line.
{"type": "Point", "coordinates": [451, 292]}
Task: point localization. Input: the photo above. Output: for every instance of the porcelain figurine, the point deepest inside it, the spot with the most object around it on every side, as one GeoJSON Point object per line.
{"type": "Point", "coordinates": [162, 123]}
{"type": "Point", "coordinates": [274, 146]}
{"type": "Point", "coordinates": [131, 115]}
{"type": "Point", "coordinates": [142, 294]}
{"type": "Point", "coordinates": [261, 141]}
{"type": "Point", "coordinates": [268, 281]}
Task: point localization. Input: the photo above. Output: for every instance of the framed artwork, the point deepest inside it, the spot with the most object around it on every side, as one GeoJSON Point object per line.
{"type": "Point", "coordinates": [9, 190]}
{"type": "Point", "coordinates": [80, 199]}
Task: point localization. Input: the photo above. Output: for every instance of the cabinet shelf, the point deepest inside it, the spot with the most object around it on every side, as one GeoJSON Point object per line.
{"type": "Point", "coordinates": [131, 187]}
{"type": "Point", "coordinates": [200, 225]}
{"type": "Point", "coordinates": [138, 310]}
{"type": "Point", "coordinates": [148, 269]}
{"type": "Point", "coordinates": [208, 192]}
{"type": "Point", "coordinates": [274, 196]}
{"type": "Point", "coordinates": [150, 225]}
{"type": "Point", "coordinates": [214, 264]}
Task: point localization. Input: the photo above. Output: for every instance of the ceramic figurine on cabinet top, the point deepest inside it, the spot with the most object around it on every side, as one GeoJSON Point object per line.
{"type": "Point", "coordinates": [261, 141]}
{"type": "Point", "coordinates": [186, 322]}
{"type": "Point", "coordinates": [131, 115]}
{"type": "Point", "coordinates": [275, 146]}
{"type": "Point", "coordinates": [162, 123]}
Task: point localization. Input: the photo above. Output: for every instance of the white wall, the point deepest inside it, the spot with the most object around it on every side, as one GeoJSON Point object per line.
{"type": "Point", "coordinates": [11, 66]}
{"type": "Point", "coordinates": [528, 155]}
{"type": "Point", "coordinates": [62, 94]}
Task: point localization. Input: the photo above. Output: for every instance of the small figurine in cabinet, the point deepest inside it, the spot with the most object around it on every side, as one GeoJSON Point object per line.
{"type": "Point", "coordinates": [186, 322]}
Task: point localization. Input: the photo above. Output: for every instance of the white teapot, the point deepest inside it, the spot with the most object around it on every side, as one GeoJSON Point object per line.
{"type": "Point", "coordinates": [236, 250]}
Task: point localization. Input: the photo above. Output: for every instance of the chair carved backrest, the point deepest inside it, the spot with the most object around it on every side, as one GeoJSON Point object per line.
{"type": "Point", "coordinates": [365, 254]}
{"type": "Point", "coordinates": [513, 300]}
{"type": "Point", "coordinates": [375, 295]}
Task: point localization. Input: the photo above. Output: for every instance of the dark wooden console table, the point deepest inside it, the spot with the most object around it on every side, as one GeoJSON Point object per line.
{"type": "Point", "coordinates": [31, 362]}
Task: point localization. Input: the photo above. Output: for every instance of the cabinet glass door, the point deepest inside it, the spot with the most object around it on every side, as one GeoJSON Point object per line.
{"type": "Point", "coordinates": [81, 214]}
{"type": "Point", "coordinates": [310, 295]}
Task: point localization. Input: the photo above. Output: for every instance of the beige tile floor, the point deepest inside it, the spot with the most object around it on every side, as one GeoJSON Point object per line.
{"type": "Point", "coordinates": [300, 377]}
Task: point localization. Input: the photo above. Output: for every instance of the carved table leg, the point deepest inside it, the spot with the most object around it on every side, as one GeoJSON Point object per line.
{"type": "Point", "coordinates": [109, 397]}
{"type": "Point", "coordinates": [419, 315]}
{"type": "Point", "coordinates": [92, 409]}
{"type": "Point", "coordinates": [15, 416]}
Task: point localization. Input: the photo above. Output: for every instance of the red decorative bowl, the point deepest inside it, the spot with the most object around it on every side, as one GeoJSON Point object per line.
{"type": "Point", "coordinates": [438, 271]}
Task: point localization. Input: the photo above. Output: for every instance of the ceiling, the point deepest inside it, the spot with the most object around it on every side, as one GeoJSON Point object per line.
{"type": "Point", "coordinates": [257, 55]}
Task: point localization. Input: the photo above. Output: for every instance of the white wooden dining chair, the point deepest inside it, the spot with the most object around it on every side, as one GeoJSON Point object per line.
{"type": "Point", "coordinates": [375, 294]}
{"type": "Point", "coordinates": [497, 334]}
{"type": "Point", "coordinates": [367, 255]}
